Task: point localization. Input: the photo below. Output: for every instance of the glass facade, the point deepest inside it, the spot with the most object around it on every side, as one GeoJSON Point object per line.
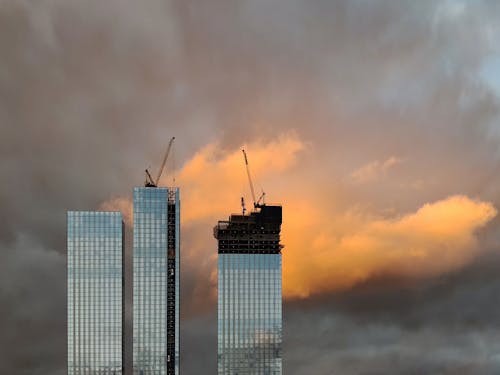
{"type": "Point", "coordinates": [156, 281]}
{"type": "Point", "coordinates": [249, 319]}
{"type": "Point", "coordinates": [250, 293]}
{"type": "Point", "coordinates": [95, 292]}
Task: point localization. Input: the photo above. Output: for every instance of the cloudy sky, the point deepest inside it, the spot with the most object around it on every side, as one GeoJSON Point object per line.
{"type": "Point", "coordinates": [375, 123]}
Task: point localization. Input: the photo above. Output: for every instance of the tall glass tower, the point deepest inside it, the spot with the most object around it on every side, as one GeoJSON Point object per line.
{"type": "Point", "coordinates": [249, 299]}
{"type": "Point", "coordinates": [95, 293]}
{"type": "Point", "coordinates": [156, 281]}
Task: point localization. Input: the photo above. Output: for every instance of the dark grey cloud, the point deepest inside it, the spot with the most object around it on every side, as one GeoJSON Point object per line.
{"type": "Point", "coordinates": [90, 93]}
{"type": "Point", "coordinates": [32, 296]}
{"type": "Point", "coordinates": [441, 327]}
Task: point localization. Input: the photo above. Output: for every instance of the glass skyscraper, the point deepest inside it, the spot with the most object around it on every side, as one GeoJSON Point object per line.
{"type": "Point", "coordinates": [156, 281]}
{"type": "Point", "coordinates": [95, 293]}
{"type": "Point", "coordinates": [249, 293]}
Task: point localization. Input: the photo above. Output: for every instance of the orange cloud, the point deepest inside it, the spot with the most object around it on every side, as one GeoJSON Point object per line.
{"type": "Point", "coordinates": [326, 249]}
{"type": "Point", "coordinates": [436, 239]}
{"type": "Point", "coordinates": [374, 169]}
{"type": "Point", "coordinates": [212, 183]}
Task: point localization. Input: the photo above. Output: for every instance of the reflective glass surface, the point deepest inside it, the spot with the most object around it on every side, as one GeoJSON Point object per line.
{"type": "Point", "coordinates": [249, 314]}
{"type": "Point", "coordinates": [95, 292]}
{"type": "Point", "coordinates": [156, 281]}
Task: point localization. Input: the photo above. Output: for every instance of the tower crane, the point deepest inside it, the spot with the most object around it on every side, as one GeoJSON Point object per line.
{"type": "Point", "coordinates": [256, 203]}
{"type": "Point", "coordinates": [149, 179]}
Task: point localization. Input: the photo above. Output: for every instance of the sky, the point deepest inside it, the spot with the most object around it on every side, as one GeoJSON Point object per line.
{"type": "Point", "coordinates": [374, 123]}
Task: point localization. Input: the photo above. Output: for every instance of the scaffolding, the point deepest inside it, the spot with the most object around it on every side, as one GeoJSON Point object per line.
{"type": "Point", "coordinates": [257, 233]}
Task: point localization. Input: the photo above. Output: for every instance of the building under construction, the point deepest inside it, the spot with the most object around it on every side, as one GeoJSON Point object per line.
{"type": "Point", "coordinates": [257, 233]}
{"type": "Point", "coordinates": [156, 281]}
{"type": "Point", "coordinates": [156, 277]}
{"type": "Point", "coordinates": [250, 291]}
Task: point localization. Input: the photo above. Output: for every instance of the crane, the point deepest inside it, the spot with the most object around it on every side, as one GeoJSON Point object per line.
{"type": "Point", "coordinates": [149, 179]}
{"type": "Point", "coordinates": [256, 203]}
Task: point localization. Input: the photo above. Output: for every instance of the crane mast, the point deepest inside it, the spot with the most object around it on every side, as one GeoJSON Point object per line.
{"type": "Point", "coordinates": [149, 179]}
{"type": "Point", "coordinates": [164, 161]}
{"type": "Point", "coordinates": [256, 203]}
